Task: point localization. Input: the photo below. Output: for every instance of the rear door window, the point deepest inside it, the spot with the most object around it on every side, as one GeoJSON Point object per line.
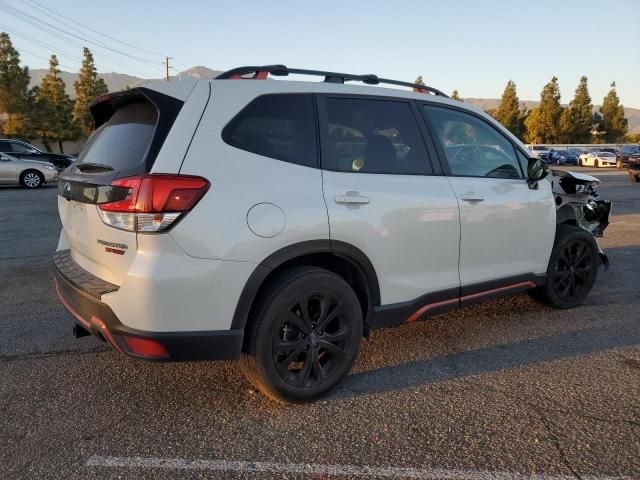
{"type": "Point", "coordinates": [280, 126]}
{"type": "Point", "coordinates": [122, 142]}
{"type": "Point", "coordinates": [373, 136]}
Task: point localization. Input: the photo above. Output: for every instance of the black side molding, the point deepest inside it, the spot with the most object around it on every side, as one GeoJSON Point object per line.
{"type": "Point", "coordinates": [452, 299]}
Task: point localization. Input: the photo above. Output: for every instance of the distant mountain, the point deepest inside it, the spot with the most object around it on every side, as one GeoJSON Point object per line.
{"type": "Point", "coordinates": [118, 81]}
{"type": "Point", "coordinates": [201, 73]}
{"type": "Point", "coordinates": [115, 81]}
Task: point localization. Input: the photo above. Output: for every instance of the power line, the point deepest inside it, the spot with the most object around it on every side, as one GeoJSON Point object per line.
{"type": "Point", "coordinates": [21, 50]}
{"type": "Point", "coordinates": [55, 33]}
{"type": "Point", "coordinates": [60, 33]}
{"type": "Point", "coordinates": [21, 13]}
{"type": "Point", "coordinates": [79, 45]}
{"type": "Point", "coordinates": [37, 4]}
{"type": "Point", "coordinates": [56, 50]}
{"type": "Point", "coordinates": [181, 63]}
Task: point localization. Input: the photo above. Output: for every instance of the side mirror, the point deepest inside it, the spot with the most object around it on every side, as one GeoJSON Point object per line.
{"type": "Point", "coordinates": [536, 170]}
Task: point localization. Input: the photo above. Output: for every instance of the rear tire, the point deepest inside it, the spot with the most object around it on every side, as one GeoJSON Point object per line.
{"type": "Point", "coordinates": [634, 177]}
{"type": "Point", "coordinates": [572, 270]}
{"type": "Point", "coordinates": [596, 163]}
{"type": "Point", "coordinates": [303, 336]}
{"type": "Point", "coordinates": [31, 179]}
{"type": "Point", "coordinates": [579, 162]}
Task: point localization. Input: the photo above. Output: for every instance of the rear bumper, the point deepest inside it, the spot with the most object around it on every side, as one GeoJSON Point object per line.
{"type": "Point", "coordinates": [80, 293]}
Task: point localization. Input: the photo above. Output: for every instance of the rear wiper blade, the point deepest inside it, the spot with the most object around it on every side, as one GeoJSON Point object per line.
{"type": "Point", "coordinates": [93, 167]}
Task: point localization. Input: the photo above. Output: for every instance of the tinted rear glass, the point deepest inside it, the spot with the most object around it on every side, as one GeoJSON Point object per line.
{"type": "Point", "coordinates": [276, 126]}
{"type": "Point", "coordinates": [122, 142]}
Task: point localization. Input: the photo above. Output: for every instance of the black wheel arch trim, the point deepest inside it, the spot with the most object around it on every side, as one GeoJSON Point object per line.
{"type": "Point", "coordinates": [344, 250]}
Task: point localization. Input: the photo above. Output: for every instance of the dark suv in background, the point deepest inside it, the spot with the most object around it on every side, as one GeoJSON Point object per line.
{"type": "Point", "coordinates": [626, 151]}
{"type": "Point", "coordinates": [26, 151]}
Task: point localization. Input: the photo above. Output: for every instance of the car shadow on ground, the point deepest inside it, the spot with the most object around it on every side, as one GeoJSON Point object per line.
{"type": "Point", "coordinates": [610, 332]}
{"type": "Point", "coordinates": [491, 359]}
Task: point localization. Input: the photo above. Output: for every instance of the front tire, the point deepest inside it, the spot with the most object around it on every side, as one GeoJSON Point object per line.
{"type": "Point", "coordinates": [634, 177]}
{"type": "Point", "coordinates": [572, 270]}
{"type": "Point", "coordinates": [596, 163]}
{"type": "Point", "coordinates": [304, 335]}
{"type": "Point", "coordinates": [31, 179]}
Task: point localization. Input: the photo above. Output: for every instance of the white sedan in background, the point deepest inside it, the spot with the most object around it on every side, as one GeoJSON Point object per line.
{"type": "Point", "coordinates": [598, 159]}
{"type": "Point", "coordinates": [28, 173]}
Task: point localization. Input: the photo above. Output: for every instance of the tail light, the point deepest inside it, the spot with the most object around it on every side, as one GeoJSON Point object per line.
{"type": "Point", "coordinates": [151, 203]}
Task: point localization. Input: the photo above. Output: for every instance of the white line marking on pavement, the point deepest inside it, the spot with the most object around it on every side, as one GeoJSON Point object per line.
{"type": "Point", "coordinates": [319, 469]}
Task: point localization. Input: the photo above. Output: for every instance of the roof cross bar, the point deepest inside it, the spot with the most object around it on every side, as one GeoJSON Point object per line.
{"type": "Point", "coordinates": [329, 77]}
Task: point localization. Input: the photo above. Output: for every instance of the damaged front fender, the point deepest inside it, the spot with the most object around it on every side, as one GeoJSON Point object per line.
{"type": "Point", "coordinates": [577, 201]}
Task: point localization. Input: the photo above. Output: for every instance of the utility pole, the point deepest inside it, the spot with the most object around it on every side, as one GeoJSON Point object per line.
{"type": "Point", "coordinates": [167, 67]}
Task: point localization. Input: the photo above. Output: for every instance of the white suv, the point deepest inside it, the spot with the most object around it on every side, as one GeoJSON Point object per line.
{"type": "Point", "coordinates": [279, 221]}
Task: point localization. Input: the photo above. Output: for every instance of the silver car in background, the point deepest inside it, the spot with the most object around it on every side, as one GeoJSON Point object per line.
{"type": "Point", "coordinates": [28, 173]}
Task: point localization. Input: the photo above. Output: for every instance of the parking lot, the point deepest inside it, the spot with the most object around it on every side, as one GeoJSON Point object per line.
{"type": "Point", "coordinates": [504, 390]}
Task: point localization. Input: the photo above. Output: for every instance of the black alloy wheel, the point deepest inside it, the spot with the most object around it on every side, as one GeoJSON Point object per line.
{"type": "Point", "coordinates": [303, 335]}
{"type": "Point", "coordinates": [311, 340]}
{"type": "Point", "coordinates": [573, 269]}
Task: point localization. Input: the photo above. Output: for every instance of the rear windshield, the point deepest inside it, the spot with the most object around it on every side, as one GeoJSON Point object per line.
{"type": "Point", "coordinates": [122, 142]}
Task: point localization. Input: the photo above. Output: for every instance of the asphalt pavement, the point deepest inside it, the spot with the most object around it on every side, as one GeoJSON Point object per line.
{"type": "Point", "coordinates": [508, 389]}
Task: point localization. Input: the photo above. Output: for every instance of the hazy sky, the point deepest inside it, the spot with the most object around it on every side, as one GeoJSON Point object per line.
{"type": "Point", "coordinates": [472, 46]}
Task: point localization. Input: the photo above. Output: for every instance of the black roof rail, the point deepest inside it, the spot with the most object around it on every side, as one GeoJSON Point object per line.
{"type": "Point", "coordinates": [329, 77]}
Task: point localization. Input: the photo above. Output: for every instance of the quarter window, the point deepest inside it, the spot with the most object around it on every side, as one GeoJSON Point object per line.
{"type": "Point", "coordinates": [473, 147]}
{"type": "Point", "coordinates": [276, 126]}
{"type": "Point", "coordinates": [373, 136]}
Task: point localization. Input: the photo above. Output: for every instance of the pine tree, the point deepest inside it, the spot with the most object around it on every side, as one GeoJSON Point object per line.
{"type": "Point", "coordinates": [14, 95]}
{"type": "Point", "coordinates": [418, 81]}
{"type": "Point", "coordinates": [509, 113]}
{"type": "Point", "coordinates": [456, 96]}
{"type": "Point", "coordinates": [566, 127]}
{"type": "Point", "coordinates": [577, 121]}
{"type": "Point", "coordinates": [88, 87]}
{"type": "Point", "coordinates": [543, 123]}
{"type": "Point", "coordinates": [54, 108]}
{"type": "Point", "coordinates": [613, 124]}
